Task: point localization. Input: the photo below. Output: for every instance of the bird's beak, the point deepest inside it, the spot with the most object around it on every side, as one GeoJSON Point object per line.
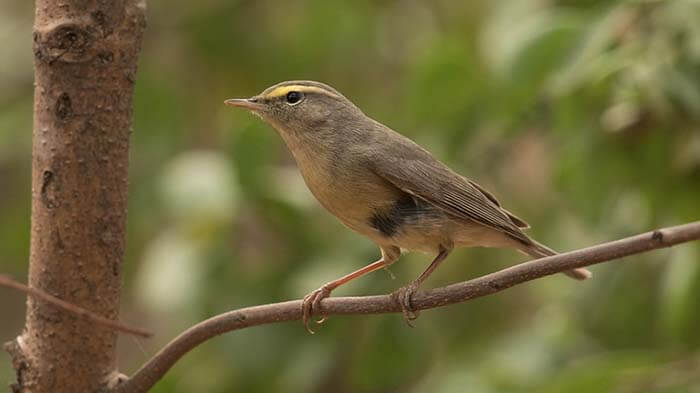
{"type": "Point", "coordinates": [251, 104]}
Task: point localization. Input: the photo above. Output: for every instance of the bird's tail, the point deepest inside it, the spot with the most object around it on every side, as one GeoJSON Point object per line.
{"type": "Point", "coordinates": [537, 250]}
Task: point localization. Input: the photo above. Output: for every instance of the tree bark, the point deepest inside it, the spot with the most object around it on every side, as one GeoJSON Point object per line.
{"type": "Point", "coordinates": [85, 58]}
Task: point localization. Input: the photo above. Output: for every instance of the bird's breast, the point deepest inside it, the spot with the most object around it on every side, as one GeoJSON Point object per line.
{"type": "Point", "coordinates": [341, 187]}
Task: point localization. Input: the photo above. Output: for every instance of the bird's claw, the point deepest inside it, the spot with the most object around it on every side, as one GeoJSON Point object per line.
{"type": "Point", "coordinates": [311, 303]}
{"type": "Point", "coordinates": [403, 297]}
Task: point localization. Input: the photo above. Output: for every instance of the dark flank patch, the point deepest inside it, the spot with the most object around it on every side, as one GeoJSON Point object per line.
{"type": "Point", "coordinates": [388, 221]}
{"type": "Point", "coordinates": [384, 223]}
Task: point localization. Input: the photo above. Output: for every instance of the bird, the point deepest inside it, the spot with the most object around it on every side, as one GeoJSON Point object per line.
{"type": "Point", "coordinates": [383, 185]}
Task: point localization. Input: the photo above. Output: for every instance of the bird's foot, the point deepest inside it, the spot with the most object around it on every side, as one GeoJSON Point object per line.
{"type": "Point", "coordinates": [403, 297]}
{"type": "Point", "coordinates": [311, 303]}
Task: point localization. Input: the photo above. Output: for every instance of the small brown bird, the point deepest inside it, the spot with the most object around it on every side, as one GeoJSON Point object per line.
{"type": "Point", "coordinates": [384, 186]}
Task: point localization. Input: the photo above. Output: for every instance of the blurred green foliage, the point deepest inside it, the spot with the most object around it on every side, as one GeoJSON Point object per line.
{"type": "Point", "coordinates": [583, 116]}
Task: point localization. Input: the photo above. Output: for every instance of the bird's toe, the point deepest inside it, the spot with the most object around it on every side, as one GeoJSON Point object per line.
{"type": "Point", "coordinates": [403, 296]}
{"type": "Point", "coordinates": [311, 304]}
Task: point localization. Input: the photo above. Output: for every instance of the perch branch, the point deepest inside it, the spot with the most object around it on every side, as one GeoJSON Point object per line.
{"type": "Point", "coordinates": [6, 281]}
{"type": "Point", "coordinates": [157, 366]}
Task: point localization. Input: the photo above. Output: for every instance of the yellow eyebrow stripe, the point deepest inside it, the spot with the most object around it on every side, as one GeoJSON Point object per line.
{"type": "Point", "coordinates": [283, 90]}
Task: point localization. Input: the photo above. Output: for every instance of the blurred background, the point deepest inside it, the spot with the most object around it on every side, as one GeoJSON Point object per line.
{"type": "Point", "coordinates": [582, 116]}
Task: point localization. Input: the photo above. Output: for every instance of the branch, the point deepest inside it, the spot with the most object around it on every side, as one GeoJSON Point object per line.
{"type": "Point", "coordinates": [155, 368]}
{"type": "Point", "coordinates": [6, 281]}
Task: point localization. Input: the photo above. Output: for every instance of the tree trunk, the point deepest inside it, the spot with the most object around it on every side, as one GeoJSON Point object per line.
{"type": "Point", "coordinates": [85, 57]}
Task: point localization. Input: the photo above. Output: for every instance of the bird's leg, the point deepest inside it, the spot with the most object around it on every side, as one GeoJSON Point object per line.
{"type": "Point", "coordinates": [404, 294]}
{"type": "Point", "coordinates": [312, 301]}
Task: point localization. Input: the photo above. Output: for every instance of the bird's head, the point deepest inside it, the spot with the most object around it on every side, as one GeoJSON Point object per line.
{"type": "Point", "coordinates": [300, 107]}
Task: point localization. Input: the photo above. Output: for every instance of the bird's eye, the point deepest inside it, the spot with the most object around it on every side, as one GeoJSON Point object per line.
{"type": "Point", "coordinates": [293, 97]}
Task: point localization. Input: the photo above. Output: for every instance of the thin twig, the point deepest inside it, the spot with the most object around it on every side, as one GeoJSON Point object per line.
{"type": "Point", "coordinates": [112, 324]}
{"type": "Point", "coordinates": [157, 366]}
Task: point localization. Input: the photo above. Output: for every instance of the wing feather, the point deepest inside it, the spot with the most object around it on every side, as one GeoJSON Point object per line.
{"type": "Point", "coordinates": [432, 181]}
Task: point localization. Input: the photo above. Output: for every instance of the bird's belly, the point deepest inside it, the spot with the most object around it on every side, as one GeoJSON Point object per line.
{"type": "Point", "coordinates": [427, 240]}
{"type": "Point", "coordinates": [429, 235]}
{"type": "Point", "coordinates": [418, 228]}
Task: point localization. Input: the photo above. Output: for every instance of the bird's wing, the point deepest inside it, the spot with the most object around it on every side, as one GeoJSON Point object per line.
{"type": "Point", "coordinates": [516, 220]}
{"type": "Point", "coordinates": [428, 179]}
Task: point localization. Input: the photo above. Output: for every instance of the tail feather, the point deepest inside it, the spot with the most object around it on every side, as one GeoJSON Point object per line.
{"type": "Point", "coordinates": [537, 250]}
